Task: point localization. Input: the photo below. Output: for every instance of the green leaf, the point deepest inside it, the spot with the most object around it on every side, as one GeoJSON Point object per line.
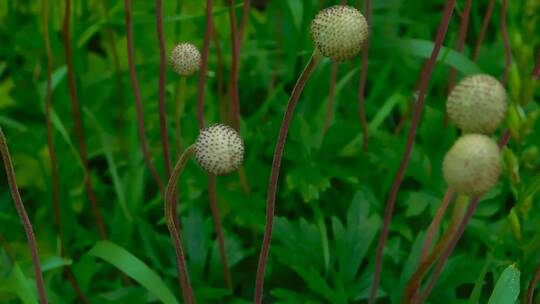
{"type": "Point", "coordinates": [507, 288]}
{"type": "Point", "coordinates": [297, 10]}
{"type": "Point", "coordinates": [134, 268]}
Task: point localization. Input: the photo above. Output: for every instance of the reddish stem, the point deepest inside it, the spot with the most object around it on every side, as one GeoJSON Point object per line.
{"type": "Point", "coordinates": [235, 104]}
{"type": "Point", "coordinates": [530, 292]}
{"type": "Point", "coordinates": [483, 30]}
{"type": "Point", "coordinates": [243, 23]}
{"type": "Point", "coordinates": [331, 97]}
{"type": "Point", "coordinates": [463, 26]}
{"type": "Point", "coordinates": [424, 82]}
{"type": "Point", "coordinates": [536, 71]}
{"type": "Point", "coordinates": [274, 176]}
{"type": "Point", "coordinates": [446, 254]}
{"type": "Point", "coordinates": [204, 63]}
{"type": "Point", "coordinates": [219, 230]}
{"type": "Point", "coordinates": [52, 154]}
{"type": "Point", "coordinates": [137, 95]}
{"type": "Point", "coordinates": [77, 118]}
{"type": "Point", "coordinates": [363, 80]}
{"type": "Point", "coordinates": [19, 205]}
{"type": "Point", "coordinates": [223, 107]}
{"type": "Point", "coordinates": [506, 41]}
{"type": "Point", "coordinates": [161, 87]}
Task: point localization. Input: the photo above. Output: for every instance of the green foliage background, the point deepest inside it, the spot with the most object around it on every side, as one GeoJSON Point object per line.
{"type": "Point", "coordinates": [331, 194]}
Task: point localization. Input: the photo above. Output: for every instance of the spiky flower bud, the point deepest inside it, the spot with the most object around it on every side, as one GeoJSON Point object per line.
{"type": "Point", "coordinates": [185, 59]}
{"type": "Point", "coordinates": [472, 165]}
{"type": "Point", "coordinates": [219, 149]}
{"type": "Point", "coordinates": [339, 31]}
{"type": "Point", "coordinates": [477, 104]}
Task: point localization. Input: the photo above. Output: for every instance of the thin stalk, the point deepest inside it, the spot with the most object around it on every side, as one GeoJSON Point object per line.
{"type": "Point", "coordinates": [52, 154]}
{"type": "Point", "coordinates": [536, 71]}
{"type": "Point", "coordinates": [506, 42]}
{"type": "Point", "coordinates": [363, 80]}
{"type": "Point", "coordinates": [410, 294]}
{"type": "Point", "coordinates": [483, 30]}
{"type": "Point", "coordinates": [219, 230]}
{"type": "Point", "coordinates": [463, 26]}
{"type": "Point", "coordinates": [174, 229]}
{"type": "Point", "coordinates": [72, 87]}
{"type": "Point", "coordinates": [137, 95]}
{"type": "Point", "coordinates": [223, 106]}
{"type": "Point", "coordinates": [274, 175]}
{"type": "Point", "coordinates": [465, 221]}
{"type": "Point", "coordinates": [19, 205]}
{"type": "Point", "coordinates": [233, 85]}
{"type": "Point", "coordinates": [178, 111]}
{"type": "Point", "coordinates": [532, 285]}
{"type": "Point", "coordinates": [243, 24]}
{"type": "Point", "coordinates": [424, 82]}
{"type": "Point", "coordinates": [331, 97]}
{"type": "Point", "coordinates": [204, 63]}
{"type": "Point", "coordinates": [161, 87]}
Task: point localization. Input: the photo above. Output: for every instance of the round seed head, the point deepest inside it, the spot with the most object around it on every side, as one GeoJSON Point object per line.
{"type": "Point", "coordinates": [477, 104]}
{"type": "Point", "coordinates": [185, 59]}
{"type": "Point", "coordinates": [339, 32]}
{"type": "Point", "coordinates": [472, 165]}
{"type": "Point", "coordinates": [219, 149]}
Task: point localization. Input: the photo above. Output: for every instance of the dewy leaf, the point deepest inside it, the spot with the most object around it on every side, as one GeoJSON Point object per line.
{"type": "Point", "coordinates": [507, 288]}
{"type": "Point", "coordinates": [134, 268]}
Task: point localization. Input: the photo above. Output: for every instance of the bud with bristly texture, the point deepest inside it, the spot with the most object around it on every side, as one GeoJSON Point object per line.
{"type": "Point", "coordinates": [219, 149]}
{"type": "Point", "coordinates": [185, 59]}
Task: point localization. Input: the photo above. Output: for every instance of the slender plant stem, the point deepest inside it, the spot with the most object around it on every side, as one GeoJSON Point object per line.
{"type": "Point", "coordinates": [465, 221]}
{"type": "Point", "coordinates": [363, 80]}
{"type": "Point", "coordinates": [483, 30]}
{"type": "Point", "coordinates": [274, 175]}
{"type": "Point", "coordinates": [77, 118]}
{"type": "Point", "coordinates": [424, 82]}
{"type": "Point", "coordinates": [243, 24]}
{"type": "Point", "coordinates": [536, 71]}
{"type": "Point", "coordinates": [19, 205]}
{"type": "Point", "coordinates": [435, 223]}
{"type": "Point", "coordinates": [137, 96]}
{"type": "Point", "coordinates": [532, 285]}
{"type": "Point", "coordinates": [411, 292]}
{"type": "Point", "coordinates": [219, 230]}
{"type": "Point", "coordinates": [463, 26]}
{"type": "Point", "coordinates": [204, 63]}
{"type": "Point", "coordinates": [161, 87]}
{"type": "Point", "coordinates": [174, 229]}
{"type": "Point", "coordinates": [331, 97]}
{"type": "Point", "coordinates": [233, 85]}
{"type": "Point", "coordinates": [223, 106]}
{"type": "Point", "coordinates": [178, 112]}
{"type": "Point", "coordinates": [506, 42]}
{"type": "Point", "coordinates": [52, 154]}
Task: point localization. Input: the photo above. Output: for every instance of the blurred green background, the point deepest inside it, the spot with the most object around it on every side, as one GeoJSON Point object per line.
{"type": "Point", "coordinates": [331, 193]}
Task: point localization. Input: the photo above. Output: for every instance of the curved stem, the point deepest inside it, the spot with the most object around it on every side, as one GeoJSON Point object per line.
{"type": "Point", "coordinates": [204, 63]}
{"type": "Point", "coordinates": [174, 228]}
{"type": "Point", "coordinates": [161, 87]}
{"type": "Point", "coordinates": [363, 80]}
{"type": "Point", "coordinates": [137, 96]}
{"type": "Point", "coordinates": [19, 205]}
{"type": "Point", "coordinates": [506, 42]}
{"type": "Point", "coordinates": [178, 111]}
{"type": "Point", "coordinates": [424, 81]}
{"type": "Point", "coordinates": [465, 221]}
{"type": "Point", "coordinates": [532, 285]}
{"type": "Point", "coordinates": [331, 97]}
{"type": "Point", "coordinates": [463, 26]}
{"type": "Point", "coordinates": [483, 30]}
{"type": "Point", "coordinates": [77, 118]}
{"type": "Point", "coordinates": [235, 104]}
{"type": "Point", "coordinates": [274, 175]}
{"type": "Point", "coordinates": [219, 230]}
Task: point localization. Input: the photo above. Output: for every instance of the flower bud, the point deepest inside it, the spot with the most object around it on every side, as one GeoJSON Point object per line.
{"type": "Point", "coordinates": [477, 104]}
{"type": "Point", "coordinates": [219, 149]}
{"type": "Point", "coordinates": [472, 166]}
{"type": "Point", "coordinates": [338, 32]}
{"type": "Point", "coordinates": [185, 59]}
